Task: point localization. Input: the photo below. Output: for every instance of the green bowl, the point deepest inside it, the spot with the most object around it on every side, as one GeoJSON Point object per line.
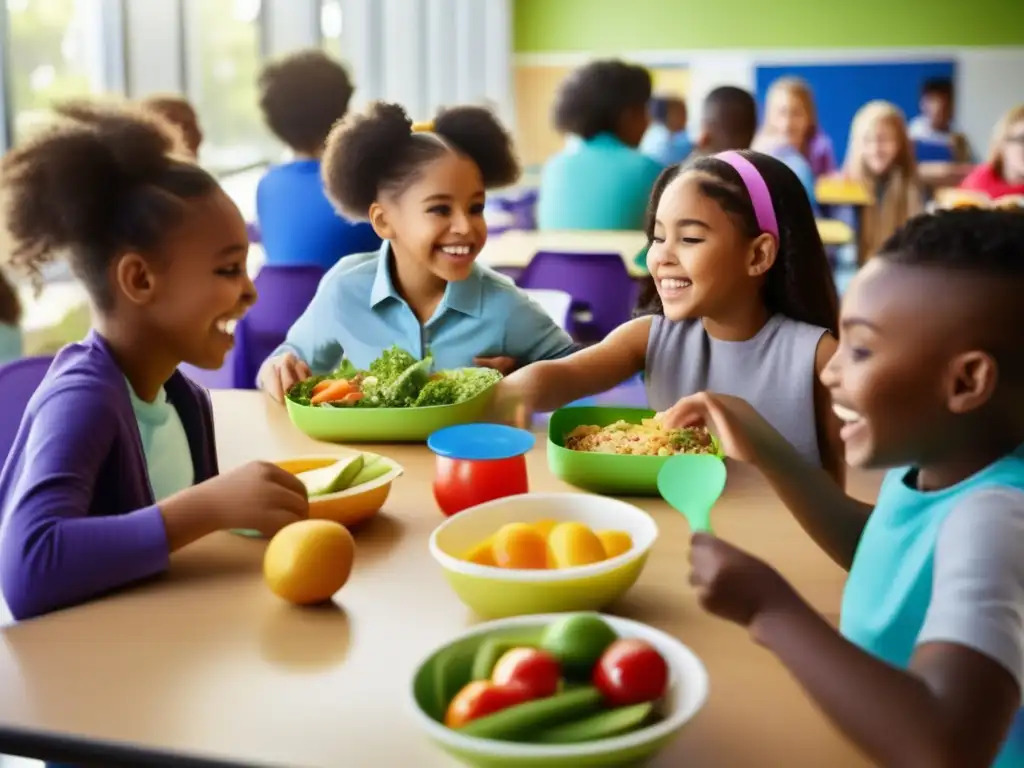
{"type": "Point", "coordinates": [447, 669]}
{"type": "Point", "coordinates": [386, 425]}
{"type": "Point", "coordinates": [604, 473]}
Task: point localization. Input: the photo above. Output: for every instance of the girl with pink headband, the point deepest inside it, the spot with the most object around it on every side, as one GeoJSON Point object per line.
{"type": "Point", "coordinates": [740, 301]}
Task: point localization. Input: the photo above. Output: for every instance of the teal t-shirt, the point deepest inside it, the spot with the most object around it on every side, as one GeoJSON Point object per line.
{"type": "Point", "coordinates": [11, 346]}
{"type": "Point", "coordinates": [165, 444]}
{"type": "Point", "coordinates": [944, 566]}
{"type": "Point", "coordinates": [596, 184]}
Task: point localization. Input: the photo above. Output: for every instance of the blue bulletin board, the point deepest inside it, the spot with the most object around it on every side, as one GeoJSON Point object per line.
{"type": "Point", "coordinates": [841, 89]}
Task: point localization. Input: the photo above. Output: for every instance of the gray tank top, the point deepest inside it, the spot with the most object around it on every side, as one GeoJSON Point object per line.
{"type": "Point", "coordinates": [773, 371]}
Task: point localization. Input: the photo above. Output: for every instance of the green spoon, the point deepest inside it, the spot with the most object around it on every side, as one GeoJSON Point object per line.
{"type": "Point", "coordinates": [692, 483]}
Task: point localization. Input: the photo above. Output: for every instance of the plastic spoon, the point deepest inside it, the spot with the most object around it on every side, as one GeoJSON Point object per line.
{"type": "Point", "coordinates": [692, 483]}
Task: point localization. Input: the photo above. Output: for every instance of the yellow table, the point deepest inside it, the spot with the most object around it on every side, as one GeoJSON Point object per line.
{"type": "Point", "coordinates": [838, 191]}
{"type": "Point", "coordinates": [204, 663]}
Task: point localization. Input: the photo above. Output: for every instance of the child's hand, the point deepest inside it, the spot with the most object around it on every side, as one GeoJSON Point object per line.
{"type": "Point", "coordinates": [734, 585]}
{"type": "Point", "coordinates": [504, 365]}
{"type": "Point", "coordinates": [742, 431]}
{"type": "Point", "coordinates": [281, 373]}
{"type": "Point", "coordinates": [510, 405]}
{"type": "Point", "coordinates": [259, 496]}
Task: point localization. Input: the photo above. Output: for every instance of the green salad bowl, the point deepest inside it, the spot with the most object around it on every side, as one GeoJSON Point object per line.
{"type": "Point", "coordinates": [604, 473]}
{"type": "Point", "coordinates": [448, 668]}
{"type": "Point", "coordinates": [386, 425]}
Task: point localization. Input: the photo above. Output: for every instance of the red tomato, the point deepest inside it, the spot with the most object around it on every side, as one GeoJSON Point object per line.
{"type": "Point", "coordinates": [482, 697]}
{"type": "Point", "coordinates": [461, 484]}
{"type": "Point", "coordinates": [535, 670]}
{"type": "Point", "coordinates": [630, 672]}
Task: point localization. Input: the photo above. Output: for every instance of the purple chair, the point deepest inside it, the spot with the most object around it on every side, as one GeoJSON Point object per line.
{"type": "Point", "coordinates": [284, 293]}
{"type": "Point", "coordinates": [18, 381]}
{"type": "Point", "coordinates": [599, 284]}
{"type": "Point", "coordinates": [523, 210]}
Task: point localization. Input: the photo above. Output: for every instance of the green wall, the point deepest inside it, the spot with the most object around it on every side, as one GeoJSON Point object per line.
{"type": "Point", "coordinates": [614, 26]}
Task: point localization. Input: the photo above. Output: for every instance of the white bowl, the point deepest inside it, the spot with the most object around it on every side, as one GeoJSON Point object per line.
{"type": "Point", "coordinates": [499, 592]}
{"type": "Point", "coordinates": [687, 692]}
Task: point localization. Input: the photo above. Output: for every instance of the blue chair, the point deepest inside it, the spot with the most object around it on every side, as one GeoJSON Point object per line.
{"type": "Point", "coordinates": [18, 382]}
{"type": "Point", "coordinates": [933, 152]}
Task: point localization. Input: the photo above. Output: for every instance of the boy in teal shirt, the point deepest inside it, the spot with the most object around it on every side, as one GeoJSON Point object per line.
{"type": "Point", "coordinates": [928, 378]}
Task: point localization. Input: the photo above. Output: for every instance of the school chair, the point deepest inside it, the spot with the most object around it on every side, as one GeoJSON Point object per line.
{"type": "Point", "coordinates": [283, 294]}
{"type": "Point", "coordinates": [933, 152]}
{"type": "Point", "coordinates": [18, 382]}
{"type": "Point", "coordinates": [603, 293]}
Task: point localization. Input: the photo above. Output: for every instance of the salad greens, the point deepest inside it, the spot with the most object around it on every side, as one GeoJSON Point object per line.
{"type": "Point", "coordinates": [398, 380]}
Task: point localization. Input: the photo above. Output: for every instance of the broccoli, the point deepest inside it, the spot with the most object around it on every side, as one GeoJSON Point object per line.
{"type": "Point", "coordinates": [392, 363]}
{"type": "Point", "coordinates": [472, 381]}
{"type": "Point", "coordinates": [441, 390]}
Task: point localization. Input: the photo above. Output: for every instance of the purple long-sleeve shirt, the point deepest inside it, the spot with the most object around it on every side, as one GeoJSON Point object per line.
{"type": "Point", "coordinates": [77, 513]}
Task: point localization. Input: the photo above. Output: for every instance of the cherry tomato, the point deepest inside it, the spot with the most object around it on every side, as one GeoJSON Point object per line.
{"type": "Point", "coordinates": [535, 670]}
{"type": "Point", "coordinates": [630, 672]}
{"type": "Point", "coordinates": [482, 697]}
{"type": "Point", "coordinates": [461, 484]}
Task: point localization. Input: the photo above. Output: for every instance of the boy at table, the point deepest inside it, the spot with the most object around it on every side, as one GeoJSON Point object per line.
{"type": "Point", "coordinates": [927, 665]}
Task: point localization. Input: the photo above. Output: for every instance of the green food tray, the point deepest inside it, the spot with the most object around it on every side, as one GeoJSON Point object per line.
{"type": "Point", "coordinates": [604, 473]}
{"type": "Point", "coordinates": [386, 425]}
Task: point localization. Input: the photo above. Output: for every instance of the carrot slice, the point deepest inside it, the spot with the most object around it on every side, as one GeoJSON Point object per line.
{"type": "Point", "coordinates": [336, 391]}
{"type": "Point", "coordinates": [321, 386]}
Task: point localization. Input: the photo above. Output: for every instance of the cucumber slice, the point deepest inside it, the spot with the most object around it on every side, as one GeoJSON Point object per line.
{"type": "Point", "coordinates": [603, 725]}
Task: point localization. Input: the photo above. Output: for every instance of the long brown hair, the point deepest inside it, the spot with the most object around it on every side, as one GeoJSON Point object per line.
{"type": "Point", "coordinates": [10, 305]}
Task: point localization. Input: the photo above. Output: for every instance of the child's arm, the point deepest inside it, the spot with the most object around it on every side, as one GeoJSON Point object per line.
{"type": "Point", "coordinates": [548, 385]}
{"type": "Point", "coordinates": [834, 520]}
{"type": "Point", "coordinates": [955, 703]}
{"type": "Point", "coordinates": [58, 549]}
{"type": "Point", "coordinates": [828, 425]}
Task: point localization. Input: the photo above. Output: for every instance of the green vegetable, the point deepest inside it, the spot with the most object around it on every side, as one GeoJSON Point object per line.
{"type": "Point", "coordinates": [522, 720]}
{"type": "Point", "coordinates": [392, 363]}
{"type": "Point", "coordinates": [603, 725]}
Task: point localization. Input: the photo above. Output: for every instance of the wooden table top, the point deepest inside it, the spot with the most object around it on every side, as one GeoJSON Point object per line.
{"type": "Point", "coordinates": [205, 662]}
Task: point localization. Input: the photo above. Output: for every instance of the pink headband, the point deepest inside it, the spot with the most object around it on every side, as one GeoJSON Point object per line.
{"type": "Point", "coordinates": [760, 197]}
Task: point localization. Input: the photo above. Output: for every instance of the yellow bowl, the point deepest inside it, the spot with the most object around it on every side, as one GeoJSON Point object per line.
{"type": "Point", "coordinates": [349, 507]}
{"type": "Point", "coordinates": [500, 592]}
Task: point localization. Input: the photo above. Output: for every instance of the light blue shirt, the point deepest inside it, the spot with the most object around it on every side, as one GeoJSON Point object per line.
{"type": "Point", "coordinates": [164, 443]}
{"type": "Point", "coordinates": [11, 345]}
{"type": "Point", "coordinates": [598, 183]}
{"type": "Point", "coordinates": [665, 147]}
{"type": "Point", "coordinates": [357, 313]}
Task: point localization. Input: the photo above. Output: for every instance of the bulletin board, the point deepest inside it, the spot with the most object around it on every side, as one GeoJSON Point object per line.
{"type": "Point", "coordinates": [535, 89]}
{"type": "Point", "coordinates": [841, 89]}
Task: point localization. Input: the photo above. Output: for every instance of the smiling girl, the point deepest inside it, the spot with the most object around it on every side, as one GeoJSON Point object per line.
{"type": "Point", "coordinates": [114, 466]}
{"type": "Point", "coordinates": [882, 157]}
{"type": "Point", "coordinates": [741, 301]}
{"type": "Point", "coordinates": [423, 189]}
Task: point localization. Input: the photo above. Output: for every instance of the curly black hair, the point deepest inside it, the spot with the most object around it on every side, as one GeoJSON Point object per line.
{"type": "Point", "coordinates": [593, 98]}
{"type": "Point", "coordinates": [799, 284]}
{"type": "Point", "coordinates": [378, 151]}
{"type": "Point", "coordinates": [975, 240]}
{"type": "Point", "coordinates": [302, 96]}
{"type": "Point", "coordinates": [102, 179]}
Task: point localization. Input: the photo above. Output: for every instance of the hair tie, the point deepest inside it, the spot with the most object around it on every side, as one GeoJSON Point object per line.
{"type": "Point", "coordinates": [427, 126]}
{"type": "Point", "coordinates": [760, 197]}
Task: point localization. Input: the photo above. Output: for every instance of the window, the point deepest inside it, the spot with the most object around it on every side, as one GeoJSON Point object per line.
{"type": "Point", "coordinates": [330, 27]}
{"type": "Point", "coordinates": [223, 59]}
{"type": "Point", "coordinates": [56, 53]}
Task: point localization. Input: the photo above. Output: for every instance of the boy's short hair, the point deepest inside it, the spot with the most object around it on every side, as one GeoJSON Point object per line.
{"type": "Point", "coordinates": [937, 86]}
{"type": "Point", "coordinates": [302, 96]}
{"type": "Point", "coordinates": [729, 119]}
{"type": "Point", "coordinates": [593, 98]}
{"type": "Point", "coordinates": [977, 240]}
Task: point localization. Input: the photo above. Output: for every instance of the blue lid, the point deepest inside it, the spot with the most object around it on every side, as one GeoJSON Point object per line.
{"type": "Point", "coordinates": [481, 442]}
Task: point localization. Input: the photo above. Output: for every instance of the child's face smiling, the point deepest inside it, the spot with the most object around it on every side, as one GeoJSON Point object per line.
{"type": "Point", "coordinates": [199, 284]}
{"type": "Point", "coordinates": [906, 374]}
{"type": "Point", "coordinates": [699, 259]}
{"type": "Point", "coordinates": [439, 219]}
{"type": "Point", "coordinates": [882, 144]}
{"type": "Point", "coordinates": [788, 118]}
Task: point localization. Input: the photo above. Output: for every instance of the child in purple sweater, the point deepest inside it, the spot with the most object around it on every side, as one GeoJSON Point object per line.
{"type": "Point", "coordinates": [114, 466]}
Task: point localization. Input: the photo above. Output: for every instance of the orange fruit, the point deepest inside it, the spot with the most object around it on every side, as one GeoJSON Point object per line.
{"type": "Point", "coordinates": [482, 553]}
{"type": "Point", "coordinates": [615, 543]}
{"type": "Point", "coordinates": [545, 526]}
{"type": "Point", "coordinates": [520, 545]}
{"type": "Point", "coordinates": [574, 544]}
{"type": "Point", "coordinates": [308, 561]}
